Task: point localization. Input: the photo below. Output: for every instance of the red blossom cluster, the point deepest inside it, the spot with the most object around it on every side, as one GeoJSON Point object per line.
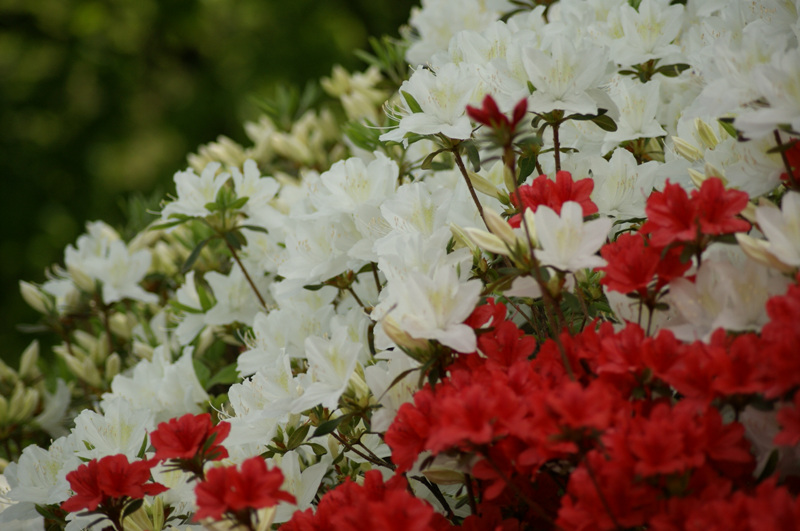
{"type": "Point", "coordinates": [587, 433]}
{"type": "Point", "coordinates": [374, 505]}
{"type": "Point", "coordinates": [109, 485]}
{"type": "Point", "coordinates": [189, 442]}
{"type": "Point", "coordinates": [553, 194]}
{"type": "Point", "coordinates": [236, 493]}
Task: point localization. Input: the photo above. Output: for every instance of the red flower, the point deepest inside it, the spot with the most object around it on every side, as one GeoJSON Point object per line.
{"type": "Point", "coordinates": [375, 505]}
{"type": "Point", "coordinates": [490, 115]}
{"type": "Point", "coordinates": [110, 482]}
{"type": "Point", "coordinates": [789, 419]}
{"type": "Point", "coordinates": [227, 491]}
{"type": "Point", "coordinates": [553, 194]}
{"type": "Point", "coordinates": [188, 436]}
{"type": "Point", "coordinates": [672, 216]}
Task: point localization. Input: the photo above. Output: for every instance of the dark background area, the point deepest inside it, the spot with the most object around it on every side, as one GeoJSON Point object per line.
{"type": "Point", "coordinates": [100, 99]}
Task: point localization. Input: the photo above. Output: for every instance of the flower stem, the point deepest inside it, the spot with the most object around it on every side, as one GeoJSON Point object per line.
{"type": "Point", "coordinates": [246, 274]}
{"type": "Point", "coordinates": [463, 170]}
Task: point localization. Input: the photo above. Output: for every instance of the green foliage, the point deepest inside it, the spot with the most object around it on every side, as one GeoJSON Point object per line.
{"type": "Point", "coordinates": [100, 98]}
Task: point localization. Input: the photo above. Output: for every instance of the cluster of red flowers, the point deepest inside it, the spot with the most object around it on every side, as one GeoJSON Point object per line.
{"type": "Point", "coordinates": [594, 414]}
{"type": "Point", "coordinates": [189, 442]}
{"type": "Point", "coordinates": [236, 493]}
{"type": "Point", "coordinates": [374, 505]}
{"type": "Point", "coordinates": [553, 194]}
{"type": "Point", "coordinates": [109, 485]}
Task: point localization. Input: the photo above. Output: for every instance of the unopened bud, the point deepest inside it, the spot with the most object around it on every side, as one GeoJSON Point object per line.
{"type": "Point", "coordinates": [759, 251]}
{"type": "Point", "coordinates": [487, 241]}
{"type": "Point", "coordinates": [401, 338]}
{"type": "Point", "coordinates": [462, 240]}
{"type": "Point", "coordinates": [482, 184]}
{"type": "Point", "coordinates": [113, 365]}
{"type": "Point", "coordinates": [34, 297]}
{"type": "Point", "coordinates": [27, 365]}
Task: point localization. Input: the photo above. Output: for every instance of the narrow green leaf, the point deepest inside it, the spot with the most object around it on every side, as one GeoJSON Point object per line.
{"type": "Point", "coordinates": [604, 122]}
{"type": "Point", "coordinates": [132, 507]}
{"type": "Point", "coordinates": [472, 154]}
{"type": "Point", "coordinates": [226, 375]}
{"type": "Point", "coordinates": [412, 103]}
{"type": "Point", "coordinates": [194, 255]}
{"type": "Point", "coordinates": [428, 162]}
{"type": "Point", "coordinates": [298, 437]}
{"type": "Point", "coordinates": [328, 426]}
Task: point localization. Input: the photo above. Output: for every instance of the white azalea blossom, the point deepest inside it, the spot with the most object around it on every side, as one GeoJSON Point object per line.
{"type": "Point", "coordinates": [567, 242]}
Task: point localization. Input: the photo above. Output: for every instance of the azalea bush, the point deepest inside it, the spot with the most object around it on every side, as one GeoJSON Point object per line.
{"type": "Point", "coordinates": [536, 267]}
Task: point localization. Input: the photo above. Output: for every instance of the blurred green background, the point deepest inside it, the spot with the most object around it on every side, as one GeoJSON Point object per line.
{"type": "Point", "coordinates": [103, 98]}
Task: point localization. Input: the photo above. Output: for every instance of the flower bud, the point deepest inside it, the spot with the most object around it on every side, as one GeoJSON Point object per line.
{"type": "Point", "coordinates": [27, 364]}
{"type": "Point", "coordinates": [482, 184]}
{"type": "Point", "coordinates": [758, 250]}
{"type": "Point", "coordinates": [113, 365]}
{"type": "Point", "coordinates": [487, 241]}
{"type": "Point", "coordinates": [83, 281]}
{"type": "Point", "coordinates": [34, 297]}
{"type": "Point", "coordinates": [462, 240]}
{"type": "Point", "coordinates": [3, 411]}
{"type": "Point", "coordinates": [712, 171]}
{"type": "Point", "coordinates": [401, 337]}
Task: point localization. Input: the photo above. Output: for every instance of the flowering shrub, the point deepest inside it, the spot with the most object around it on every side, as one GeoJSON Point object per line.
{"type": "Point", "coordinates": [554, 285]}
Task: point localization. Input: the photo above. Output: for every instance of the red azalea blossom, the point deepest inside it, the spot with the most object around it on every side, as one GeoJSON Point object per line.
{"type": "Point", "coordinates": [673, 216]}
{"type": "Point", "coordinates": [374, 505]}
{"type": "Point", "coordinates": [230, 490]}
{"type": "Point", "coordinates": [553, 194]}
{"type": "Point", "coordinates": [490, 115]}
{"type": "Point", "coordinates": [187, 436]}
{"type": "Point", "coordinates": [792, 154]}
{"type": "Point", "coordinates": [110, 481]}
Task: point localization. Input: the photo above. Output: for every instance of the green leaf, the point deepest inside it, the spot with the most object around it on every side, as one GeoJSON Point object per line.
{"type": "Point", "coordinates": [527, 165]}
{"type": "Point", "coordinates": [143, 448]}
{"type": "Point", "coordinates": [428, 162]}
{"type": "Point", "coordinates": [318, 449]}
{"type": "Point", "coordinates": [235, 239]}
{"type": "Point", "coordinates": [772, 464]}
{"type": "Point", "coordinates": [672, 70]}
{"type": "Point", "coordinates": [411, 102]}
{"type": "Point", "coordinates": [298, 437]}
{"type": "Point", "coordinates": [727, 124]}
{"type": "Point", "coordinates": [364, 135]}
{"type": "Point", "coordinates": [226, 375]}
{"type": "Point", "coordinates": [604, 122]}
{"type": "Point", "coordinates": [472, 154]}
{"type": "Point", "coordinates": [132, 507]}
{"type": "Point", "coordinates": [203, 373]}
{"type": "Point", "coordinates": [328, 426]}
{"type": "Point", "coordinates": [194, 255]}
{"type": "Point", "coordinates": [254, 228]}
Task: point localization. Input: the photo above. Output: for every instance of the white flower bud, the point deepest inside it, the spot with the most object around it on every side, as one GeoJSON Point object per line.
{"type": "Point", "coordinates": [113, 365]}
{"type": "Point", "coordinates": [34, 297]}
{"type": "Point", "coordinates": [27, 364]}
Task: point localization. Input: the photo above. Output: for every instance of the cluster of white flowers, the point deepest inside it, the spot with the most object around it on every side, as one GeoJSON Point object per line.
{"type": "Point", "coordinates": [316, 277]}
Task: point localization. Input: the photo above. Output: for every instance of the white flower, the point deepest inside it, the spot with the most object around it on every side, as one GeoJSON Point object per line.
{"type": "Point", "coordinates": [259, 191]}
{"type": "Point", "coordinates": [567, 243]}
{"type": "Point", "coordinates": [163, 388]}
{"type": "Point", "coordinates": [433, 307]}
{"type": "Point", "coordinates": [565, 77]}
{"type": "Point", "coordinates": [331, 365]}
{"type": "Point", "coordinates": [782, 229]}
{"type": "Point", "coordinates": [391, 394]}
{"type": "Point", "coordinates": [648, 31]}
{"type": "Point", "coordinates": [637, 103]}
{"type": "Point", "coordinates": [779, 84]}
{"type": "Point", "coordinates": [120, 272]}
{"type": "Point", "coordinates": [190, 322]}
{"type": "Point", "coordinates": [194, 191]}
{"type": "Point", "coordinates": [121, 429]}
{"type": "Point", "coordinates": [303, 485]}
{"type": "Point", "coordinates": [621, 186]}
{"type": "Point", "coordinates": [236, 300]}
{"type": "Point", "coordinates": [442, 97]}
